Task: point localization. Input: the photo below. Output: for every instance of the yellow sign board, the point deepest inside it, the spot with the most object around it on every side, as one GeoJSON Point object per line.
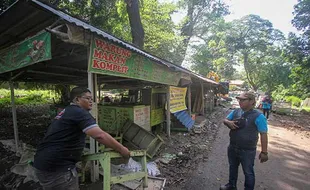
{"type": "Point", "coordinates": [177, 99]}
{"type": "Point", "coordinates": [157, 116]}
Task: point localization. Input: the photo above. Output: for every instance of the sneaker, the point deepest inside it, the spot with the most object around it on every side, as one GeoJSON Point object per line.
{"type": "Point", "coordinates": [228, 187]}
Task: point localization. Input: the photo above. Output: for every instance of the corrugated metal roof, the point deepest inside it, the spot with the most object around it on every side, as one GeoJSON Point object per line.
{"type": "Point", "coordinates": [99, 32]}
{"type": "Point", "coordinates": [22, 6]}
{"type": "Point", "coordinates": [185, 119]}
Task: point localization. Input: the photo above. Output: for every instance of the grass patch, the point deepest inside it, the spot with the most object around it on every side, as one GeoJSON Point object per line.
{"type": "Point", "coordinates": [26, 97]}
{"type": "Point", "coordinates": [305, 109]}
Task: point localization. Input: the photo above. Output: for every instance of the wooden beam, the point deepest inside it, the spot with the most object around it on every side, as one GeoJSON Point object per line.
{"type": "Point", "coordinates": [67, 59]}
{"type": "Point", "coordinates": [17, 75]}
{"type": "Point", "coordinates": [53, 74]}
{"type": "Point", "coordinates": [117, 80]}
{"type": "Point", "coordinates": [189, 100]}
{"type": "Point", "coordinates": [14, 117]}
{"type": "Point", "coordinates": [168, 119]}
{"type": "Point", "coordinates": [19, 22]}
{"type": "Point", "coordinates": [202, 98]}
{"type": "Point", "coordinates": [66, 68]}
{"type": "Point", "coordinates": [22, 36]}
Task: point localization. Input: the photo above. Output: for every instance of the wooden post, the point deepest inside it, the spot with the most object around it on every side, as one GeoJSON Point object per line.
{"type": "Point", "coordinates": [189, 100]}
{"type": "Point", "coordinates": [107, 172]}
{"type": "Point", "coordinates": [202, 98]}
{"type": "Point", "coordinates": [211, 98]}
{"type": "Point", "coordinates": [168, 112]}
{"type": "Point", "coordinates": [92, 146]}
{"type": "Point", "coordinates": [14, 116]}
{"type": "Point", "coordinates": [99, 92]}
{"type": "Point", "coordinates": [92, 86]}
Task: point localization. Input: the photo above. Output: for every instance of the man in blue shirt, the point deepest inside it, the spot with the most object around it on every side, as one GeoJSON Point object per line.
{"type": "Point", "coordinates": [245, 124]}
{"type": "Point", "coordinates": [266, 106]}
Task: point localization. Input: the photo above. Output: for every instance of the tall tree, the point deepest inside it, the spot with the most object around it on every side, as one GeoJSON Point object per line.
{"type": "Point", "coordinates": [201, 15]}
{"type": "Point", "coordinates": [298, 49]}
{"type": "Point", "coordinates": [137, 31]}
{"type": "Point", "coordinates": [249, 39]}
{"type": "Point", "coordinates": [274, 70]}
{"type": "Point", "coordinates": [212, 55]}
{"type": "Point", "coordinates": [298, 54]}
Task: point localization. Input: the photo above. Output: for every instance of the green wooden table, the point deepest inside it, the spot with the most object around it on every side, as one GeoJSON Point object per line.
{"type": "Point", "coordinates": [104, 159]}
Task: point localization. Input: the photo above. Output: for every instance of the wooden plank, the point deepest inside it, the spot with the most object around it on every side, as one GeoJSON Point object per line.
{"type": "Point", "coordinates": [144, 169]}
{"type": "Point", "coordinates": [106, 172]}
{"type": "Point", "coordinates": [126, 177]}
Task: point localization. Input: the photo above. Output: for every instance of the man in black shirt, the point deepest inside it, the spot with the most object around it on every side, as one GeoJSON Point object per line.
{"type": "Point", "coordinates": [63, 144]}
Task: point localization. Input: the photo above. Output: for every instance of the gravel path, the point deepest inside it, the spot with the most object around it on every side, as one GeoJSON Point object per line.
{"type": "Point", "coordinates": [287, 169]}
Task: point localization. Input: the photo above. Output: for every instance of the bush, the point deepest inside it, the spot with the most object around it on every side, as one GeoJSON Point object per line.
{"type": "Point", "coordinates": [280, 93]}
{"type": "Point", "coordinates": [26, 97]}
{"type": "Point", "coordinates": [295, 101]}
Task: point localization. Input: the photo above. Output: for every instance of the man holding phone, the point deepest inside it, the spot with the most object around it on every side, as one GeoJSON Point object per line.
{"type": "Point", "coordinates": [245, 124]}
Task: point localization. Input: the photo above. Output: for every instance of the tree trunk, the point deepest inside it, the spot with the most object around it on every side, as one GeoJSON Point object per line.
{"type": "Point", "coordinates": [187, 31]}
{"type": "Point", "coordinates": [137, 31]}
{"type": "Point", "coordinates": [248, 72]}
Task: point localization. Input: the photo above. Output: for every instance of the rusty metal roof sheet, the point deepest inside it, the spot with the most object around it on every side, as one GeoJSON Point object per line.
{"type": "Point", "coordinates": [49, 13]}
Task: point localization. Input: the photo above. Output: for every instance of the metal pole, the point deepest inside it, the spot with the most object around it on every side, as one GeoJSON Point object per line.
{"type": "Point", "coordinates": [168, 112]}
{"type": "Point", "coordinates": [189, 100]}
{"type": "Point", "coordinates": [14, 116]}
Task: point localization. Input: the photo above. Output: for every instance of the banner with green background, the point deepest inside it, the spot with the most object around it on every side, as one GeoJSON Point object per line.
{"type": "Point", "coordinates": [25, 53]}
{"type": "Point", "coordinates": [109, 59]}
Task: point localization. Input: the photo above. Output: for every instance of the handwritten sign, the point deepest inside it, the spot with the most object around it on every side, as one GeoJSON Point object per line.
{"type": "Point", "coordinates": [177, 99]}
{"type": "Point", "coordinates": [110, 59]}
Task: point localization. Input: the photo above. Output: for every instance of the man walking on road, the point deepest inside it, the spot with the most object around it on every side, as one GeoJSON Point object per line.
{"type": "Point", "coordinates": [266, 105]}
{"type": "Point", "coordinates": [63, 144]}
{"type": "Point", "coordinates": [245, 124]}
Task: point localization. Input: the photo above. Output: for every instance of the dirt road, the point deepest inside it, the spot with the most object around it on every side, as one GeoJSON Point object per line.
{"type": "Point", "coordinates": [287, 169]}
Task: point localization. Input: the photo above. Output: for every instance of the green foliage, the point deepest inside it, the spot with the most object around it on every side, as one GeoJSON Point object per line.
{"type": "Point", "coordinates": [295, 101]}
{"type": "Point", "coordinates": [280, 93]}
{"type": "Point", "coordinates": [305, 109]}
{"type": "Point", "coordinates": [160, 36]}
{"type": "Point", "coordinates": [297, 50]}
{"type": "Point", "coordinates": [274, 71]}
{"type": "Point", "coordinates": [213, 55]}
{"type": "Point", "coordinates": [26, 97]}
{"type": "Point", "coordinates": [302, 15]}
{"type": "Point", "coordinates": [201, 17]}
{"type": "Point", "coordinates": [250, 39]}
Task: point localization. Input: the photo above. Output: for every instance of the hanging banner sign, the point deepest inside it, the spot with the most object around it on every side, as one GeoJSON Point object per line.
{"type": "Point", "coordinates": [109, 59]}
{"type": "Point", "coordinates": [25, 53]}
{"type": "Point", "coordinates": [177, 99]}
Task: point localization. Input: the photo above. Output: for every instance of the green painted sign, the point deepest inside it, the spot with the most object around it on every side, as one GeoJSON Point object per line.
{"type": "Point", "coordinates": [25, 53]}
{"type": "Point", "coordinates": [109, 59]}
